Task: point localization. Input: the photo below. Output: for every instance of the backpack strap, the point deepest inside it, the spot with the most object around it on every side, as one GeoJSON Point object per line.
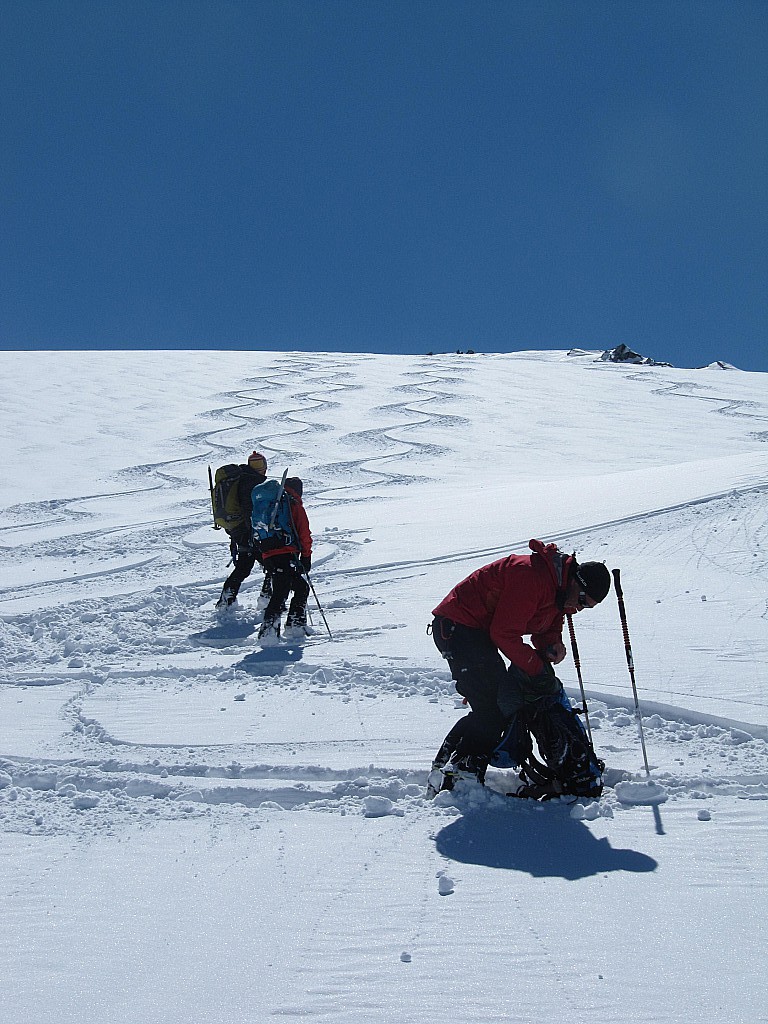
{"type": "Point", "coordinates": [572, 766]}
{"type": "Point", "coordinates": [278, 499]}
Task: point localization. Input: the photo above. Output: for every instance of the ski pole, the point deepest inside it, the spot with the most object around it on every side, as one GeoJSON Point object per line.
{"type": "Point", "coordinates": [319, 606]}
{"type": "Point", "coordinates": [577, 663]}
{"type": "Point", "coordinates": [213, 506]}
{"type": "Point", "coordinates": [630, 662]}
{"type": "Point", "coordinates": [306, 571]}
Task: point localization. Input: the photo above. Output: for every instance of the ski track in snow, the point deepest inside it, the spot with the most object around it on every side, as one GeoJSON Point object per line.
{"type": "Point", "coordinates": [143, 638]}
{"type": "Point", "coordinates": [701, 761]}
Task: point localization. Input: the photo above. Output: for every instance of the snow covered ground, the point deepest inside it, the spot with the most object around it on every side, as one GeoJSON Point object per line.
{"type": "Point", "coordinates": [195, 830]}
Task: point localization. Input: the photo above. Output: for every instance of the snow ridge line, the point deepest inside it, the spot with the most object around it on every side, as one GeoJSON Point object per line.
{"type": "Point", "coordinates": [655, 712]}
{"type": "Point", "coordinates": [87, 789]}
{"type": "Point", "coordinates": [730, 762]}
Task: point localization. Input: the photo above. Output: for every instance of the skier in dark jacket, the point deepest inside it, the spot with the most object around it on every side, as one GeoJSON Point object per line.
{"type": "Point", "coordinates": [287, 567]}
{"type": "Point", "coordinates": [487, 615]}
{"type": "Point", "coordinates": [245, 553]}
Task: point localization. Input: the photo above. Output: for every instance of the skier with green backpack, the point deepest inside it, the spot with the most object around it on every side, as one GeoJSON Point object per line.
{"type": "Point", "coordinates": [231, 491]}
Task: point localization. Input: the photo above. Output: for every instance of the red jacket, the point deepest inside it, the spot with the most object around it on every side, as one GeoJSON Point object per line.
{"type": "Point", "coordinates": [514, 597]}
{"type": "Point", "coordinates": [301, 524]}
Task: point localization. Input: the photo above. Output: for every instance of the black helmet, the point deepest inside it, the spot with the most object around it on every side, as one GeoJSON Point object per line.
{"type": "Point", "coordinates": [594, 579]}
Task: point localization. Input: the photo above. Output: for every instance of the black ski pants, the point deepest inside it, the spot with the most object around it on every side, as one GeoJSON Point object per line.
{"type": "Point", "coordinates": [287, 578]}
{"type": "Point", "coordinates": [245, 559]}
{"type": "Point", "coordinates": [480, 675]}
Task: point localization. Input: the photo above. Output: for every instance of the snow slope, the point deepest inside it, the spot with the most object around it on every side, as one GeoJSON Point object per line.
{"type": "Point", "coordinates": [193, 829]}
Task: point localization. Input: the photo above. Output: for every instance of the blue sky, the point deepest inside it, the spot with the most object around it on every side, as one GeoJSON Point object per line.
{"type": "Point", "coordinates": [386, 175]}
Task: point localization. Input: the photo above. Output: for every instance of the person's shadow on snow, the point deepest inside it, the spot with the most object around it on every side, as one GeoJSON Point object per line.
{"type": "Point", "coordinates": [223, 634]}
{"type": "Point", "coordinates": [271, 661]}
{"type": "Point", "coordinates": [543, 841]}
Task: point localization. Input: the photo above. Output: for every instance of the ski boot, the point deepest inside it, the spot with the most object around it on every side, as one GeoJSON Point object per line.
{"type": "Point", "coordinates": [269, 632]}
{"type": "Point", "coordinates": [265, 594]}
{"type": "Point", "coordinates": [296, 628]}
{"type": "Point", "coordinates": [470, 768]}
{"type": "Point", "coordinates": [435, 781]}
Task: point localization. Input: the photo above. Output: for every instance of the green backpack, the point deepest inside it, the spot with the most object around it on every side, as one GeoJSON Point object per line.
{"type": "Point", "coordinates": [227, 513]}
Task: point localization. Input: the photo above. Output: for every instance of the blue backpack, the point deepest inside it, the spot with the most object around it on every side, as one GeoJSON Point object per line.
{"type": "Point", "coordinates": [271, 517]}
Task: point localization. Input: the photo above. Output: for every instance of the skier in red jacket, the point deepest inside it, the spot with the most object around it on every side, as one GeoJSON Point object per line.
{"type": "Point", "coordinates": [286, 566]}
{"type": "Point", "coordinates": [486, 616]}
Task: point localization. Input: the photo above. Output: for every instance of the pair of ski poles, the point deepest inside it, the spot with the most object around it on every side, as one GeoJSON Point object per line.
{"type": "Point", "coordinates": [630, 664]}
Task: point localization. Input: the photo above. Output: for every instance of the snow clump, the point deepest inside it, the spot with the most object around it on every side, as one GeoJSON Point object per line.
{"type": "Point", "coordinates": [640, 793]}
{"type": "Point", "coordinates": [379, 807]}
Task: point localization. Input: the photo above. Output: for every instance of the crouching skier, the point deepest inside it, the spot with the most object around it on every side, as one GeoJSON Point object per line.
{"type": "Point", "coordinates": [286, 548]}
{"type": "Point", "coordinates": [486, 616]}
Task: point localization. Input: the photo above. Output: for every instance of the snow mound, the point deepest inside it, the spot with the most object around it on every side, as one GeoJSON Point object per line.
{"type": "Point", "coordinates": [379, 807]}
{"type": "Point", "coordinates": [647, 792]}
{"type": "Point", "coordinates": [586, 812]}
{"type": "Point", "coordinates": [574, 352]}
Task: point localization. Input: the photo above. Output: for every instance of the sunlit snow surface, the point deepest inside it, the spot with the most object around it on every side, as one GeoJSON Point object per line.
{"type": "Point", "coordinates": [198, 830]}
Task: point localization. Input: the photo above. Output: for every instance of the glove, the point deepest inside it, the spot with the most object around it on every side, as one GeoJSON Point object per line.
{"type": "Point", "coordinates": [555, 653]}
{"type": "Point", "coordinates": [546, 684]}
{"type": "Point", "coordinates": [306, 563]}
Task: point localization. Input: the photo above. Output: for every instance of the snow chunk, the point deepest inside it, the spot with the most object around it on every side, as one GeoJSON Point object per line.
{"type": "Point", "coordinates": [85, 801]}
{"type": "Point", "coordinates": [379, 807]}
{"type": "Point", "coordinates": [586, 812]}
{"type": "Point", "coordinates": [191, 796]}
{"type": "Point", "coordinates": [641, 793]}
{"type": "Point", "coordinates": [445, 885]}
{"type": "Point", "coordinates": [739, 736]}
{"type": "Point", "coordinates": [704, 816]}
{"type": "Point", "coordinates": [5, 780]}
